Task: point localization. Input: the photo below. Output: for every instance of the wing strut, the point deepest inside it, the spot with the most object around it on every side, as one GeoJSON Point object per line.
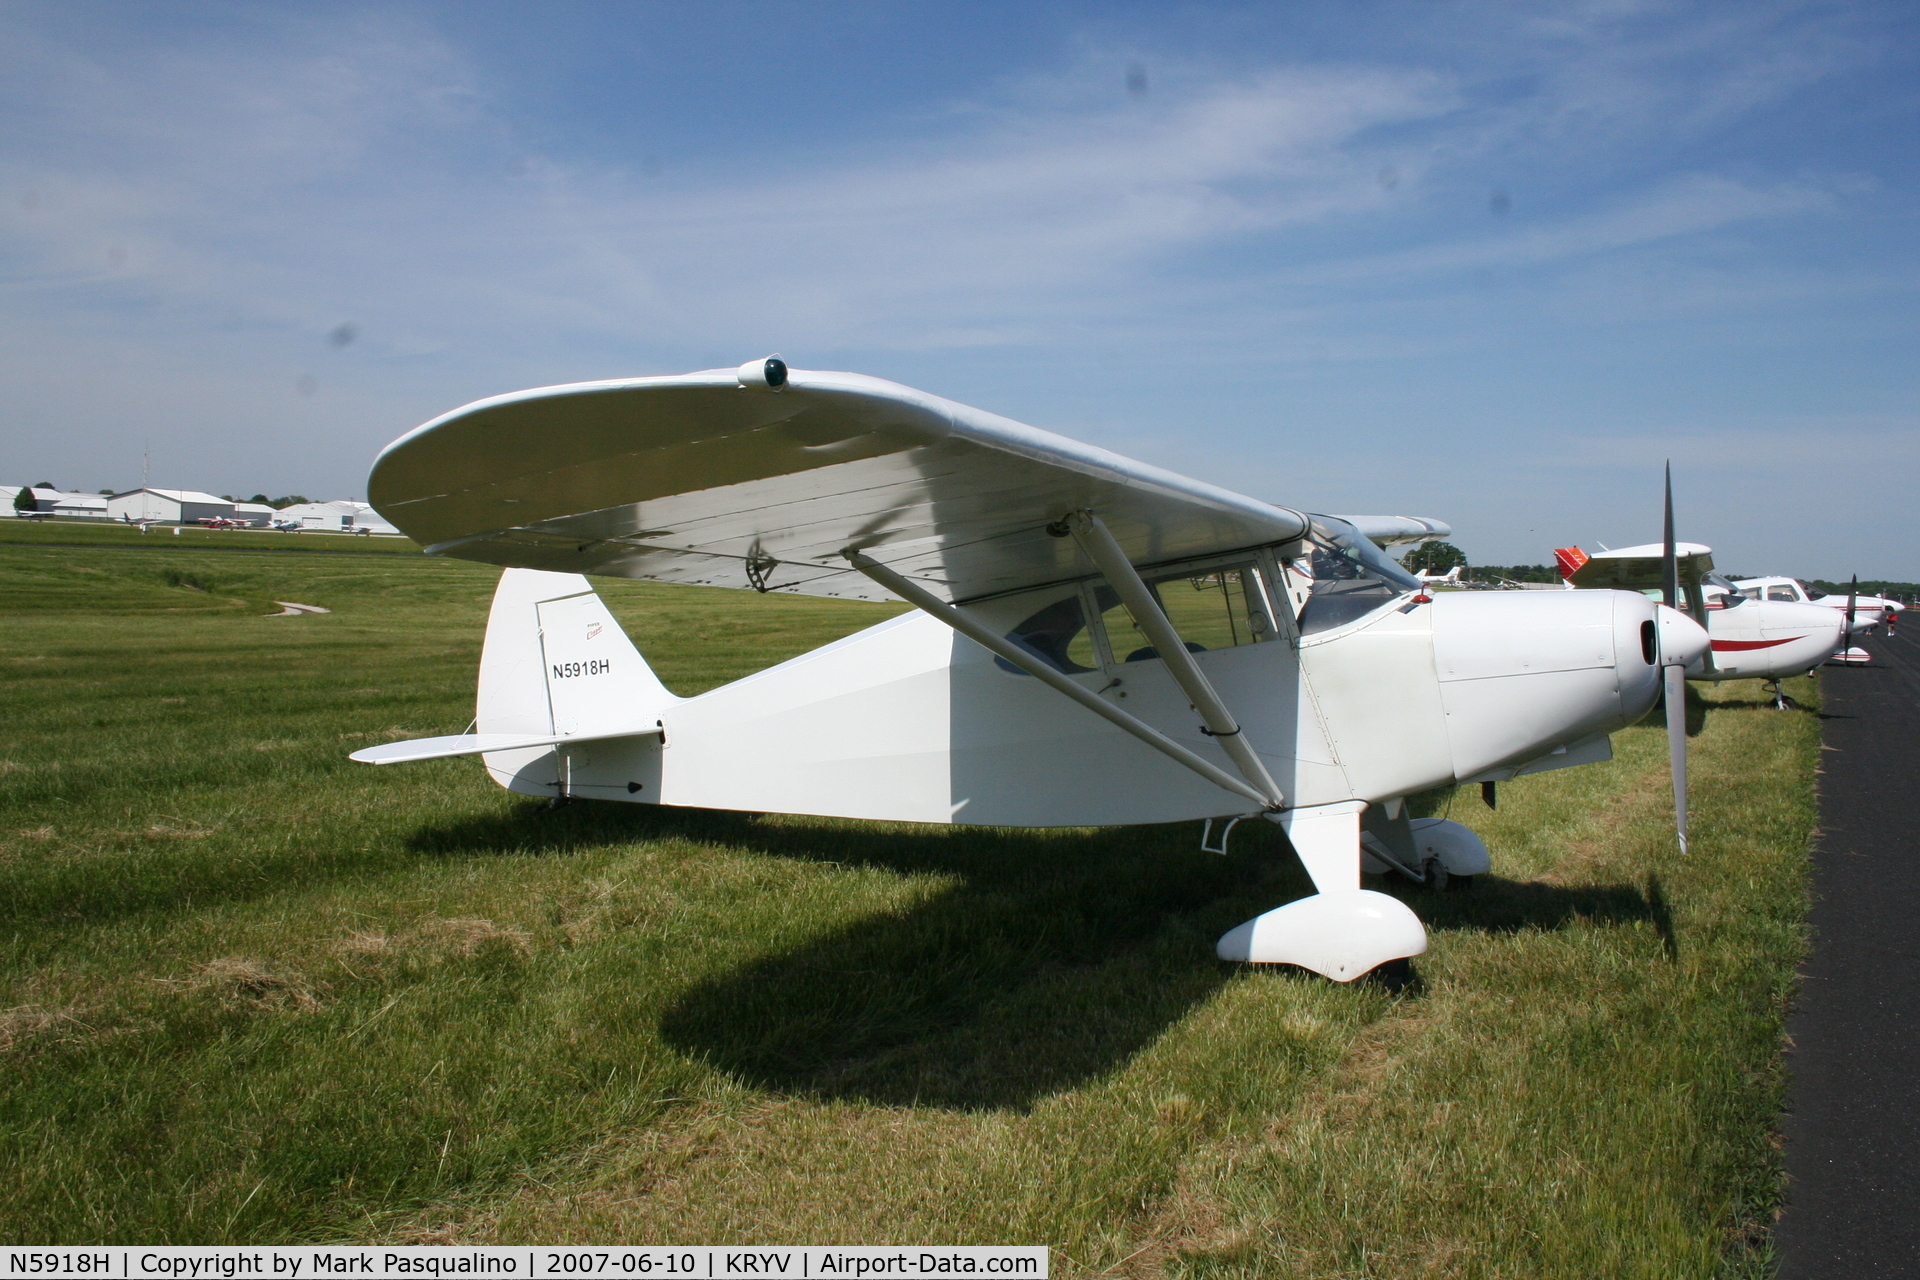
{"type": "Point", "coordinates": [1098, 542]}
{"type": "Point", "coordinates": [933, 606]}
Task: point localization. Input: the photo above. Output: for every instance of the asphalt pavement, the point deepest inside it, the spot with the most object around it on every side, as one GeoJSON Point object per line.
{"type": "Point", "coordinates": [1852, 1126]}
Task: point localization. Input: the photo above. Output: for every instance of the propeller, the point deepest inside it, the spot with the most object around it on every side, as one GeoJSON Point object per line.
{"type": "Point", "coordinates": [1853, 594]}
{"type": "Point", "coordinates": [1675, 675]}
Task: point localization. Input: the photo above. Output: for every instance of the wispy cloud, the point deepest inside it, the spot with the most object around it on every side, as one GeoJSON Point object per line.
{"type": "Point", "coordinates": [1684, 205]}
{"type": "Point", "coordinates": [362, 168]}
{"type": "Point", "coordinates": [315, 177]}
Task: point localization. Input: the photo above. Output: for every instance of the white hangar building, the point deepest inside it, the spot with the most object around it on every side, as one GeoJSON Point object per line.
{"type": "Point", "coordinates": [168, 506]}
{"type": "Point", "coordinates": [335, 516]}
{"type": "Point", "coordinates": [82, 506]}
{"type": "Point", "coordinates": [66, 506]}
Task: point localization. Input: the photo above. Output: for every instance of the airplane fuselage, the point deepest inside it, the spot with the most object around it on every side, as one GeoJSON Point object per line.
{"type": "Point", "coordinates": [1767, 639]}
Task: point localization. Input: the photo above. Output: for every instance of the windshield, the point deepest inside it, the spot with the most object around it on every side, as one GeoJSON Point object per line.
{"type": "Point", "coordinates": [1351, 576]}
{"type": "Point", "coordinates": [1813, 593]}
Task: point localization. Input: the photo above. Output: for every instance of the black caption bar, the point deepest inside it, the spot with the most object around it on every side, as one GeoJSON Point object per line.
{"type": "Point", "coordinates": [521, 1262]}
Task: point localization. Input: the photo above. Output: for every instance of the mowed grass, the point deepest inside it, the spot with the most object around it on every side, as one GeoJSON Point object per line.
{"type": "Point", "coordinates": [254, 992]}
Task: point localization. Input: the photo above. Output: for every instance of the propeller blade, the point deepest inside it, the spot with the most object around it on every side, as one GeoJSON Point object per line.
{"type": "Point", "coordinates": [1669, 555]}
{"type": "Point", "coordinates": [1853, 593]}
{"type": "Point", "coordinates": [1675, 674]}
{"type": "Point", "coordinates": [1677, 747]}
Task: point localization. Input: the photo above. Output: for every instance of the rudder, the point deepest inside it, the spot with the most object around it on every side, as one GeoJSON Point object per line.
{"type": "Point", "coordinates": [1569, 560]}
{"type": "Point", "coordinates": [555, 661]}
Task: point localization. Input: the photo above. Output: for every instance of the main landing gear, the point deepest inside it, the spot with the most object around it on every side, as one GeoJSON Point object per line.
{"type": "Point", "coordinates": [1434, 852]}
{"type": "Point", "coordinates": [1342, 930]}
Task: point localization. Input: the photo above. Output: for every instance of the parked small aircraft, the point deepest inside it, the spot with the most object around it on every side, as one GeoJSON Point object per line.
{"type": "Point", "coordinates": [1867, 612]}
{"type": "Point", "coordinates": [1095, 641]}
{"type": "Point", "coordinates": [1752, 638]}
{"type": "Point", "coordinates": [1451, 578]}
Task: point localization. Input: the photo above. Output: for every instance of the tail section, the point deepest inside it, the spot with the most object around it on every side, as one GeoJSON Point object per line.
{"type": "Point", "coordinates": [1570, 559]}
{"type": "Point", "coordinates": [557, 664]}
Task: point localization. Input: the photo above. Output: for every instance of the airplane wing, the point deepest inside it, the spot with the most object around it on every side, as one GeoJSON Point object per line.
{"type": "Point", "coordinates": [718, 479]}
{"type": "Point", "coordinates": [1389, 530]}
{"type": "Point", "coordinates": [1638, 568]}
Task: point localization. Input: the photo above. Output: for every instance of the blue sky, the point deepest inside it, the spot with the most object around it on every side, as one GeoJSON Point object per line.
{"type": "Point", "coordinates": [1487, 262]}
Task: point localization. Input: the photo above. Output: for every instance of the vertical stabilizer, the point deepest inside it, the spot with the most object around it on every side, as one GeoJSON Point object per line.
{"type": "Point", "coordinates": [556, 662]}
{"type": "Point", "coordinates": [1569, 559]}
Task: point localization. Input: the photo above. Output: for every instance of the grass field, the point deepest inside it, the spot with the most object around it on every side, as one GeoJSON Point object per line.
{"type": "Point", "coordinates": [254, 992]}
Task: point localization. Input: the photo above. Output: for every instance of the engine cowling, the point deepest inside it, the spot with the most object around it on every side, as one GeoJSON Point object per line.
{"type": "Point", "coordinates": [1524, 673]}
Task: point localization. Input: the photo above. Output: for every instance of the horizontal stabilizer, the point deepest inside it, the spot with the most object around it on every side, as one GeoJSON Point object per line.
{"type": "Point", "coordinates": [473, 744]}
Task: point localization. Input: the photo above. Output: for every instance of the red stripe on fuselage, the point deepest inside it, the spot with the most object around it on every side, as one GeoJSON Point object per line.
{"type": "Point", "coordinates": [1722, 646]}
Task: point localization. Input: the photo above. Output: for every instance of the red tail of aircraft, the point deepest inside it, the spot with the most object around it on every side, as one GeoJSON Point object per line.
{"type": "Point", "coordinates": [1570, 558]}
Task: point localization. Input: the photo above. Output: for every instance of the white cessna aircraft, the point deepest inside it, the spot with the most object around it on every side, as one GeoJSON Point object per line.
{"type": "Point", "coordinates": [1096, 641]}
{"type": "Point", "coordinates": [1752, 639]}
{"type": "Point", "coordinates": [1864, 613]}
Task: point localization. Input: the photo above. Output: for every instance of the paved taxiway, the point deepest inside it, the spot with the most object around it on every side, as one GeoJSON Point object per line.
{"type": "Point", "coordinates": [1853, 1113]}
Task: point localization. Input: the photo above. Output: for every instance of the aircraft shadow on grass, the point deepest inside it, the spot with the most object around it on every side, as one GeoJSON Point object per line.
{"type": "Point", "coordinates": [1057, 956]}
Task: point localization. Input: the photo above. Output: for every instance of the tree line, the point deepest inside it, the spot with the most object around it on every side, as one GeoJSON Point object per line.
{"type": "Point", "coordinates": [1439, 557]}
{"type": "Point", "coordinates": [1868, 587]}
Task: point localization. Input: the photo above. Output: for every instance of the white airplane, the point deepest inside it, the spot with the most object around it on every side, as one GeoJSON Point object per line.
{"type": "Point", "coordinates": [1096, 641]}
{"type": "Point", "coordinates": [1866, 612]}
{"type": "Point", "coordinates": [1451, 578]}
{"type": "Point", "coordinates": [1752, 639]}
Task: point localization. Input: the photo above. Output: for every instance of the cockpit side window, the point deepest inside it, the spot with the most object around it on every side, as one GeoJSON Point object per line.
{"type": "Point", "coordinates": [1351, 576]}
{"type": "Point", "coordinates": [1782, 593]}
{"type": "Point", "coordinates": [1217, 608]}
{"type": "Point", "coordinates": [1213, 607]}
